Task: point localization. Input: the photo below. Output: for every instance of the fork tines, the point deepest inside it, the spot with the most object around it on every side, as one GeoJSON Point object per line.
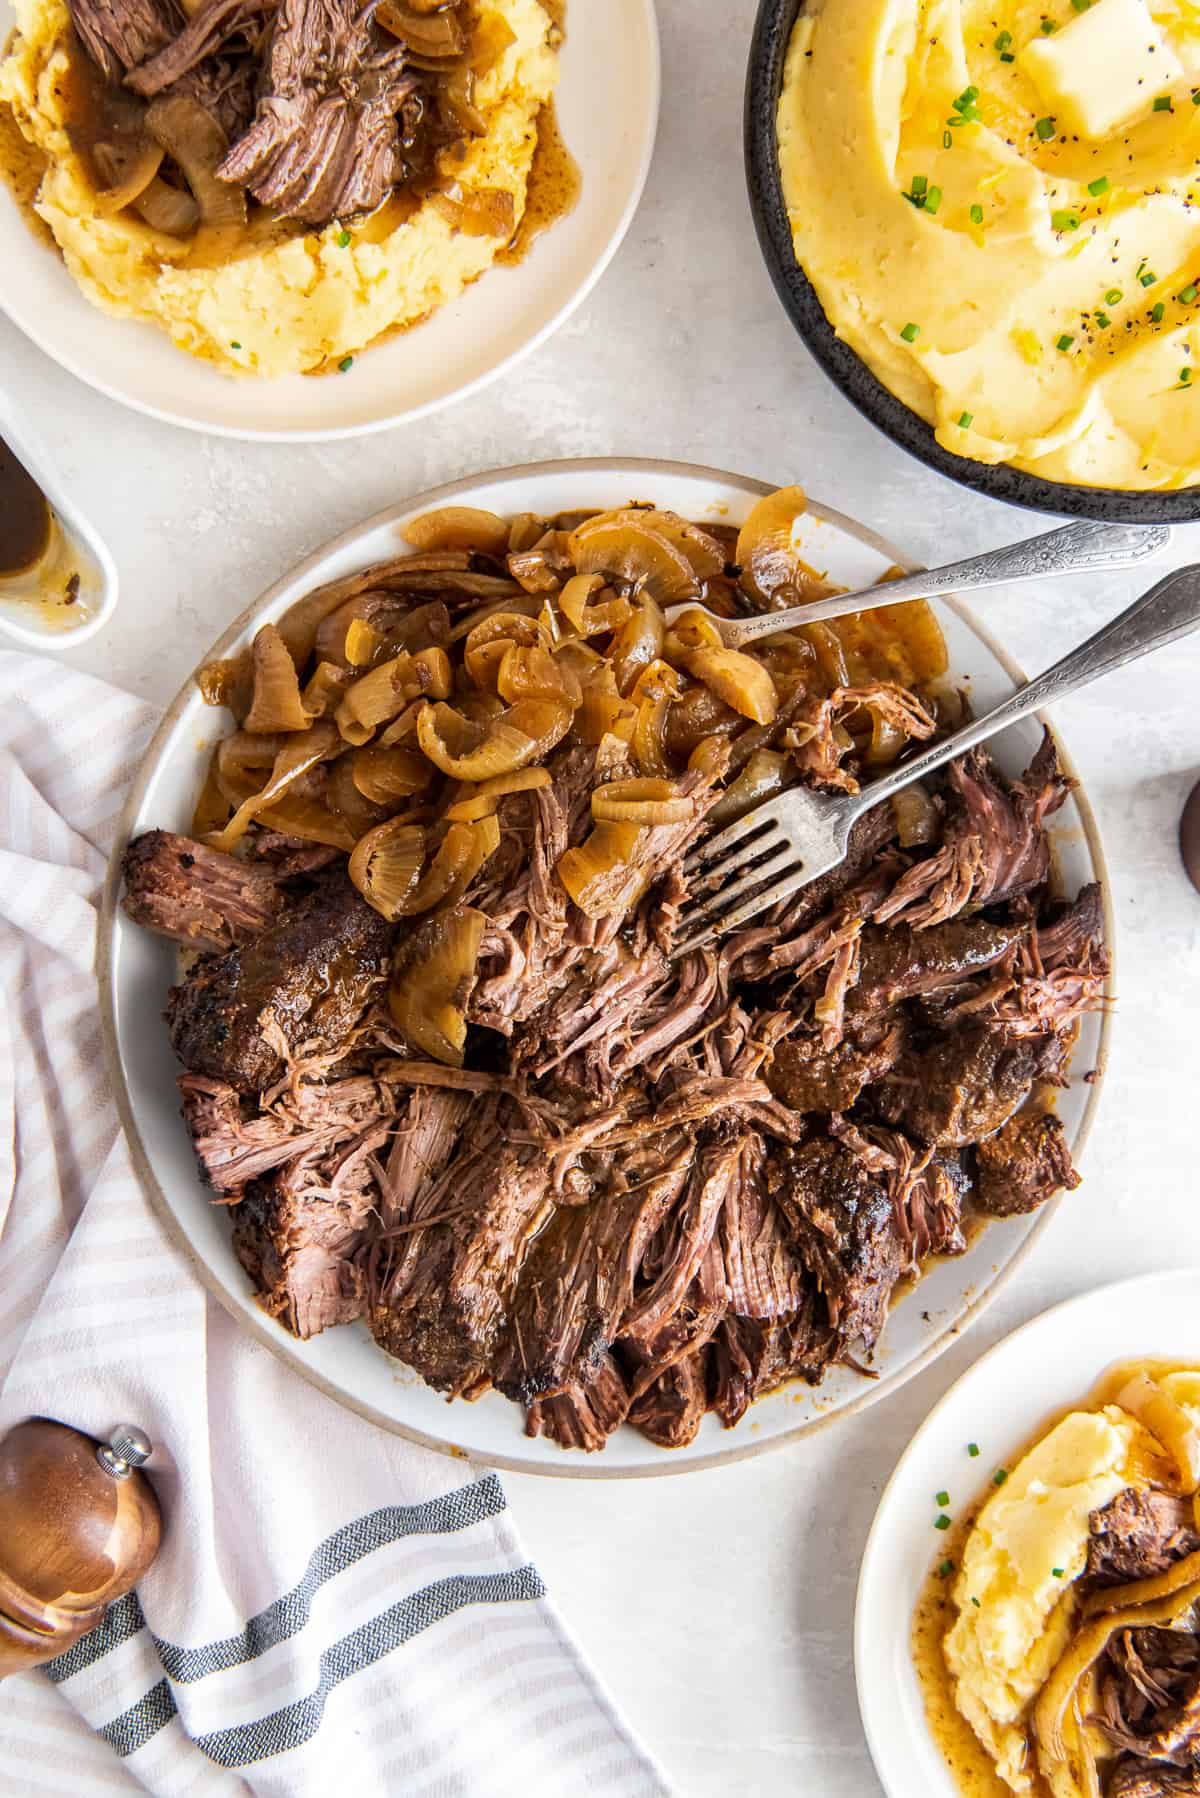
{"type": "Point", "coordinates": [757, 850]}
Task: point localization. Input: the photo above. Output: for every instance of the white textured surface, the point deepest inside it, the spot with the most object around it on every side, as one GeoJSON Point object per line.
{"type": "Point", "coordinates": [719, 1607]}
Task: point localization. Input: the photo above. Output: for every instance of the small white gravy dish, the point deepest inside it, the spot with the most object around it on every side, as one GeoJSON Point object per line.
{"type": "Point", "coordinates": [58, 582]}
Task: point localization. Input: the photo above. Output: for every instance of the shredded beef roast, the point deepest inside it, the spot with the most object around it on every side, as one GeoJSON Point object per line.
{"type": "Point", "coordinates": [658, 1185]}
{"type": "Point", "coordinates": [1139, 1534]}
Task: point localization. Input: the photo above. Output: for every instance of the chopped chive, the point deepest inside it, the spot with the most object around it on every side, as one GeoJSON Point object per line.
{"type": "Point", "coordinates": [345, 365]}
{"type": "Point", "coordinates": [1187, 294]}
{"type": "Point", "coordinates": [1156, 312]}
{"type": "Point", "coordinates": [1002, 40]}
{"type": "Point", "coordinates": [1044, 129]}
{"type": "Point", "coordinates": [1058, 1572]}
{"type": "Point", "coordinates": [964, 421]}
{"type": "Point", "coordinates": [1001, 1473]}
{"type": "Point", "coordinates": [1149, 278]}
{"type": "Point", "coordinates": [910, 333]}
{"type": "Point", "coordinates": [1185, 377]}
{"type": "Point", "coordinates": [343, 239]}
{"type": "Point", "coordinates": [1196, 96]}
{"type": "Point", "coordinates": [942, 1522]}
{"type": "Point", "coordinates": [1080, 5]}
{"type": "Point", "coordinates": [1065, 220]}
{"type": "Point", "coordinates": [933, 199]}
{"type": "Point", "coordinates": [947, 140]}
{"type": "Point", "coordinates": [1103, 320]}
{"type": "Point", "coordinates": [1113, 297]}
{"type": "Point", "coordinates": [946, 1569]}
{"type": "Point", "coordinates": [1163, 103]}
{"type": "Point", "coordinates": [977, 215]}
{"type": "Point", "coordinates": [977, 1604]}
{"type": "Point", "coordinates": [235, 345]}
{"type": "Point", "coordinates": [1098, 186]}
{"type": "Point", "coordinates": [973, 1449]}
{"type": "Point", "coordinates": [1007, 56]}
{"type": "Point", "coordinates": [1048, 27]}
{"type": "Point", "coordinates": [920, 183]}
{"type": "Point", "coordinates": [942, 1499]}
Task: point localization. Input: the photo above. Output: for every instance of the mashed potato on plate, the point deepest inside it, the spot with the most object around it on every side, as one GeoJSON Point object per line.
{"type": "Point", "coordinates": [295, 302]}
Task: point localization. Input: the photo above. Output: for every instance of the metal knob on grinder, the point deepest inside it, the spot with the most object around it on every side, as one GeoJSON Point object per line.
{"type": "Point", "coordinates": [79, 1525]}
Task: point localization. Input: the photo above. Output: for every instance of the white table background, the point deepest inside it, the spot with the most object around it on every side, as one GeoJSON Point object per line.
{"type": "Point", "coordinates": [718, 1606]}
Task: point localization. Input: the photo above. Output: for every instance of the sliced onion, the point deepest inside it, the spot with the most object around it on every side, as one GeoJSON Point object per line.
{"type": "Point", "coordinates": [764, 775]}
{"type": "Point", "coordinates": [491, 37]}
{"type": "Point", "coordinates": [276, 704]}
{"type": "Point", "coordinates": [294, 816]}
{"type": "Point", "coordinates": [346, 801]}
{"type": "Point", "coordinates": [432, 980]}
{"type": "Point", "coordinates": [379, 695]}
{"type": "Point", "coordinates": [364, 646]}
{"type": "Point", "coordinates": [621, 546]}
{"type": "Point", "coordinates": [189, 132]}
{"type": "Point", "coordinates": [737, 678]}
{"type": "Point", "coordinates": [640, 802]}
{"type": "Point", "coordinates": [487, 795]}
{"type": "Point", "coordinates": [402, 729]}
{"type": "Point", "coordinates": [171, 210]}
{"type": "Point", "coordinates": [432, 34]}
{"type": "Point", "coordinates": [488, 640]}
{"type": "Point", "coordinates": [539, 566]}
{"type": "Point", "coordinates": [386, 866]}
{"type": "Point", "coordinates": [228, 683]}
{"type": "Point", "coordinates": [602, 712]}
{"type": "Point", "coordinates": [638, 643]}
{"type": "Point", "coordinates": [520, 736]}
{"type": "Point", "coordinates": [698, 714]}
{"type": "Point", "coordinates": [211, 809]}
{"type": "Point", "coordinates": [598, 875]}
{"type": "Point", "coordinates": [533, 673]}
{"type": "Point", "coordinates": [706, 555]}
{"type": "Point", "coordinates": [1170, 1423]}
{"type": "Point", "coordinates": [767, 550]}
{"type": "Point", "coordinates": [127, 167]}
{"type": "Point", "coordinates": [653, 692]}
{"type": "Point", "coordinates": [296, 756]}
{"type": "Point", "coordinates": [478, 212]}
{"type": "Point", "coordinates": [459, 527]}
{"type": "Point", "coordinates": [462, 853]}
{"type": "Point", "coordinates": [385, 775]}
{"type": "Point", "coordinates": [918, 820]}
{"type": "Point", "coordinates": [608, 614]}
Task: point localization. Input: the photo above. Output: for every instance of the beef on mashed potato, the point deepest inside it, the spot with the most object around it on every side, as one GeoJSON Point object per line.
{"type": "Point", "coordinates": [278, 184]}
{"type": "Point", "coordinates": [997, 204]}
{"type": "Point", "coordinates": [1071, 1639]}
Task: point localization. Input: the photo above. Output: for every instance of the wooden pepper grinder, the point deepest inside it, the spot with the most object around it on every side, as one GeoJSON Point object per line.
{"type": "Point", "coordinates": [79, 1525]}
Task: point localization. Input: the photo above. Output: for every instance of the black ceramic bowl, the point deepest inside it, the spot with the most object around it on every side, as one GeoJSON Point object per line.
{"type": "Point", "coordinates": [768, 49]}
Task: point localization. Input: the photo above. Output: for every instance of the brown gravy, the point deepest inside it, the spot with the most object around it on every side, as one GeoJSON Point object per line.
{"type": "Point", "coordinates": [25, 517]}
{"type": "Point", "coordinates": [554, 184]}
{"type": "Point", "coordinates": [964, 1754]}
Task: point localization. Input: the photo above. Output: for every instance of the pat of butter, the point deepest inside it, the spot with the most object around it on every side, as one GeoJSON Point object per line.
{"type": "Point", "coordinates": [1103, 68]}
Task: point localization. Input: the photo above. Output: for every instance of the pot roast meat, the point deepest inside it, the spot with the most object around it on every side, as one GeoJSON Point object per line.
{"type": "Point", "coordinates": [965, 1086]}
{"type": "Point", "coordinates": [1134, 1778]}
{"type": "Point", "coordinates": [898, 962]}
{"type": "Point", "coordinates": [1150, 1697]}
{"type": "Point", "coordinates": [233, 1149]}
{"type": "Point", "coordinates": [1025, 1163]}
{"type": "Point", "coordinates": [298, 1242]}
{"type": "Point", "coordinates": [197, 896]}
{"type": "Point", "coordinates": [841, 1222]}
{"type": "Point", "coordinates": [325, 141]}
{"type": "Point", "coordinates": [583, 1416]}
{"type": "Point", "coordinates": [119, 34]}
{"type": "Point", "coordinates": [1138, 1534]}
{"type": "Point", "coordinates": [310, 974]}
{"type": "Point", "coordinates": [671, 1410]}
{"type": "Point", "coordinates": [809, 1077]}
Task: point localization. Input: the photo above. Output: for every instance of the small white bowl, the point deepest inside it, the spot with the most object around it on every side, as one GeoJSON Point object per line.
{"type": "Point", "coordinates": [20, 617]}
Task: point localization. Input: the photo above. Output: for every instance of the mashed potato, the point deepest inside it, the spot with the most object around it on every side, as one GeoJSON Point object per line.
{"type": "Point", "coordinates": [997, 203]}
{"type": "Point", "coordinates": [306, 301]}
{"type": "Point", "coordinates": [1013, 1595]}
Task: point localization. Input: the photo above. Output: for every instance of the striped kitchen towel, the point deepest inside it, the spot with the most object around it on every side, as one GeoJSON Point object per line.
{"type": "Point", "coordinates": [333, 1608]}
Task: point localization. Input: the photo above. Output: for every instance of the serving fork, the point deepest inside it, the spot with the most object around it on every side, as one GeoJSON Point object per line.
{"type": "Point", "coordinates": [1085, 545]}
{"type": "Point", "coordinates": [781, 846]}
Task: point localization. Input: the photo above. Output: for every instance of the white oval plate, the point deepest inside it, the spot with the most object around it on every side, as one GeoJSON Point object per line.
{"type": "Point", "coordinates": [1017, 1387]}
{"type": "Point", "coordinates": [608, 110]}
{"type": "Point", "coordinates": [136, 970]}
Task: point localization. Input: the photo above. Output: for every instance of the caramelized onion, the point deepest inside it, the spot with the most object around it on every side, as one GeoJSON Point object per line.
{"type": "Point", "coordinates": [487, 795]}
{"type": "Point", "coordinates": [491, 37]}
{"type": "Point", "coordinates": [386, 690]}
{"type": "Point", "coordinates": [296, 756]}
{"type": "Point", "coordinates": [653, 692]}
{"type": "Point", "coordinates": [1171, 1423]}
{"type": "Point", "coordinates": [386, 865]}
{"type": "Point", "coordinates": [191, 134]}
{"type": "Point", "coordinates": [764, 775]}
{"type": "Point", "coordinates": [640, 802]}
{"type": "Point", "coordinates": [228, 683]}
{"type": "Point", "coordinates": [459, 527]}
{"type": "Point", "coordinates": [171, 210]}
{"type": "Point", "coordinates": [767, 550]}
{"type": "Point", "coordinates": [276, 704]}
{"type": "Point", "coordinates": [598, 874]}
{"type": "Point", "coordinates": [478, 212]}
{"type": "Point", "coordinates": [127, 168]}
{"type": "Point", "coordinates": [621, 546]}
{"type": "Point", "coordinates": [435, 34]}
{"type": "Point", "coordinates": [519, 736]}
{"type": "Point", "coordinates": [463, 851]}
{"type": "Point", "coordinates": [737, 678]}
{"type": "Point", "coordinates": [345, 801]}
{"type": "Point", "coordinates": [918, 820]}
{"type": "Point", "coordinates": [638, 643]}
{"type": "Point", "coordinates": [488, 641]}
{"type": "Point", "coordinates": [432, 980]}
{"type": "Point", "coordinates": [326, 688]}
{"type": "Point", "coordinates": [608, 614]}
{"type": "Point", "coordinates": [384, 775]}
{"type": "Point", "coordinates": [533, 673]}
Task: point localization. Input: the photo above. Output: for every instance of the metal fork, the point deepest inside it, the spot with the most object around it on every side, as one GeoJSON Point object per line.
{"type": "Point", "coordinates": [1075, 548]}
{"type": "Point", "coordinates": [783, 845]}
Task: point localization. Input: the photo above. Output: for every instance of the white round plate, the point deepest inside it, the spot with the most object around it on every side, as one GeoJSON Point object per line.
{"type": "Point", "coordinates": [1019, 1386]}
{"type": "Point", "coordinates": [137, 969]}
{"type": "Point", "coordinates": [607, 104]}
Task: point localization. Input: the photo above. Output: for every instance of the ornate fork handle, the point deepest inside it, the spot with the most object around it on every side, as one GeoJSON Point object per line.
{"type": "Point", "coordinates": [1169, 610]}
{"type": "Point", "coordinates": [1074, 548]}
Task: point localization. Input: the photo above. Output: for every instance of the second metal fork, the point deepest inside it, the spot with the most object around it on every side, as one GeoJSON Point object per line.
{"type": "Point", "coordinates": [780, 847]}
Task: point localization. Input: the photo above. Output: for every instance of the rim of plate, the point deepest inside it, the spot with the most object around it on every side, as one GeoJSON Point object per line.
{"type": "Point", "coordinates": [42, 337]}
{"type": "Point", "coordinates": [592, 1468]}
{"type": "Point", "coordinates": [1108, 1293]}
